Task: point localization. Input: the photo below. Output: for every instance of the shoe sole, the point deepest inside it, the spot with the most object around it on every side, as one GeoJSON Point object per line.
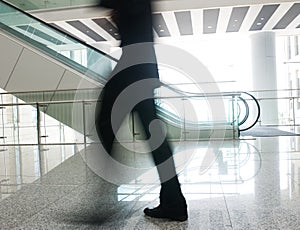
{"type": "Point", "coordinates": [179, 218]}
{"type": "Point", "coordinates": [174, 218]}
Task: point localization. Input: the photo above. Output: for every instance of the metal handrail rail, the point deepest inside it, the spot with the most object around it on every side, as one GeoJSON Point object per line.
{"type": "Point", "coordinates": [276, 98]}
{"type": "Point", "coordinates": [97, 100]}
{"type": "Point", "coordinates": [200, 95]}
{"type": "Point", "coordinates": [99, 87]}
{"type": "Point", "coordinates": [87, 89]}
{"type": "Point", "coordinates": [48, 91]}
{"type": "Point", "coordinates": [271, 90]}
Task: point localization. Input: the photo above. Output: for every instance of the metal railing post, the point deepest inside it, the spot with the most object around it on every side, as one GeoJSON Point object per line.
{"type": "Point", "coordinates": [233, 116]}
{"type": "Point", "coordinates": [84, 124]}
{"type": "Point", "coordinates": [184, 121]}
{"type": "Point", "coordinates": [38, 123]}
{"type": "Point", "coordinates": [294, 113]}
{"type": "Point", "coordinates": [133, 127]}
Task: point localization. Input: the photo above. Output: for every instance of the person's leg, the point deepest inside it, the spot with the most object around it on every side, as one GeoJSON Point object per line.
{"type": "Point", "coordinates": [172, 202]}
{"type": "Point", "coordinates": [103, 113]}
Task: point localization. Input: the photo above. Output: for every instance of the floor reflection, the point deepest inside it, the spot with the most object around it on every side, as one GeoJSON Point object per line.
{"type": "Point", "coordinates": [21, 165]}
{"type": "Point", "coordinates": [246, 184]}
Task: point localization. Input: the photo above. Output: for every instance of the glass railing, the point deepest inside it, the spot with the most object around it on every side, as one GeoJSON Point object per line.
{"type": "Point", "coordinates": [32, 143]}
{"type": "Point", "coordinates": [68, 119]}
{"type": "Point", "coordinates": [60, 46]}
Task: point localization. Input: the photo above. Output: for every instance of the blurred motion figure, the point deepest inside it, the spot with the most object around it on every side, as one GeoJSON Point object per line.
{"type": "Point", "coordinates": [134, 21]}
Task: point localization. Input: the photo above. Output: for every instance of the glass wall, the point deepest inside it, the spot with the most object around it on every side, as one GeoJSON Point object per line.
{"type": "Point", "coordinates": [40, 4]}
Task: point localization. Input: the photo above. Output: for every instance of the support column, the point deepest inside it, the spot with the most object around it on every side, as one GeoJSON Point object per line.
{"type": "Point", "coordinates": [264, 74]}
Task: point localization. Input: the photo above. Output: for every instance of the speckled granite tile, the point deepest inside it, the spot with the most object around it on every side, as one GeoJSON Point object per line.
{"type": "Point", "coordinates": [71, 172]}
{"type": "Point", "coordinates": [73, 197]}
{"type": "Point", "coordinates": [253, 219]}
{"type": "Point", "coordinates": [49, 226]}
{"type": "Point", "coordinates": [287, 218]}
{"type": "Point", "coordinates": [246, 213]}
{"type": "Point", "coordinates": [204, 214]}
{"type": "Point", "coordinates": [64, 182]}
{"type": "Point", "coordinates": [28, 201]}
{"type": "Point", "coordinates": [75, 212]}
{"type": "Point", "coordinates": [92, 213]}
{"type": "Point", "coordinates": [241, 220]}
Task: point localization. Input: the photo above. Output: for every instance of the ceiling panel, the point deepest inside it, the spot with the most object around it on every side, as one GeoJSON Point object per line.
{"type": "Point", "coordinates": [184, 21]}
{"type": "Point", "coordinates": [210, 20]}
{"type": "Point", "coordinates": [160, 25]}
{"type": "Point", "coordinates": [86, 30]}
{"type": "Point", "coordinates": [263, 17]}
{"type": "Point", "coordinates": [278, 14]}
{"type": "Point", "coordinates": [290, 15]}
{"type": "Point", "coordinates": [105, 24]}
{"type": "Point", "coordinates": [75, 32]}
{"type": "Point", "coordinates": [237, 17]}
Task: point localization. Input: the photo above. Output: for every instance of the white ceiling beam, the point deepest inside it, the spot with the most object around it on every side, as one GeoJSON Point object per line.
{"type": "Point", "coordinates": [223, 19]}
{"type": "Point", "coordinates": [75, 32]}
{"type": "Point", "coordinates": [54, 15]}
{"type": "Point", "coordinates": [197, 21]}
{"type": "Point", "coordinates": [250, 17]}
{"type": "Point", "coordinates": [171, 23]}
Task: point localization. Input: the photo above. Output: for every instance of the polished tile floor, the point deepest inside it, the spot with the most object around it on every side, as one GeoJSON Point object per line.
{"type": "Point", "coordinates": [252, 183]}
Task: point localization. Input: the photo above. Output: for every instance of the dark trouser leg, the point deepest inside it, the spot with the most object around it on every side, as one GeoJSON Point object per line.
{"type": "Point", "coordinates": [172, 202]}
{"type": "Point", "coordinates": [162, 155]}
{"type": "Point", "coordinates": [103, 114]}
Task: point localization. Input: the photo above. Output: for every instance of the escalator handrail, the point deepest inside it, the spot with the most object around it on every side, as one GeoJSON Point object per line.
{"type": "Point", "coordinates": [247, 110]}
{"type": "Point", "coordinates": [258, 112]}
{"type": "Point", "coordinates": [67, 61]}
{"type": "Point", "coordinates": [238, 115]}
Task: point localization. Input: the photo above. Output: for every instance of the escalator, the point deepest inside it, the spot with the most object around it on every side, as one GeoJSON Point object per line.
{"type": "Point", "coordinates": [38, 58]}
{"type": "Point", "coordinates": [34, 37]}
{"type": "Point", "coordinates": [54, 43]}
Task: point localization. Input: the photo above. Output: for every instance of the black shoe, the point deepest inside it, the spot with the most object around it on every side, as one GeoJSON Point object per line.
{"type": "Point", "coordinates": [168, 213]}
